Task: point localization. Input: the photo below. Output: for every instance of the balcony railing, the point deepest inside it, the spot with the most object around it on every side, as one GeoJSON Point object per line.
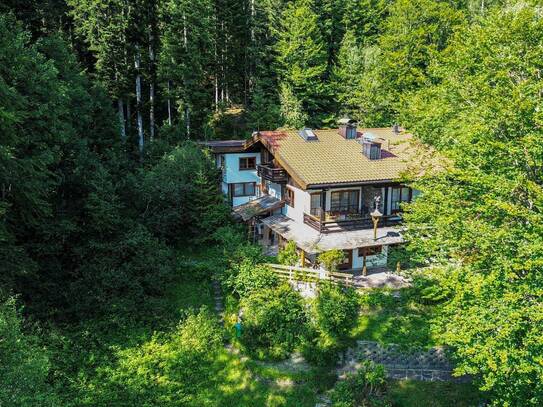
{"type": "Point", "coordinates": [272, 174]}
{"type": "Point", "coordinates": [331, 222]}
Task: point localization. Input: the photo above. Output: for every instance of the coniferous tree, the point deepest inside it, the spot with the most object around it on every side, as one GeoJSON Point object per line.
{"type": "Point", "coordinates": [347, 77]}
{"type": "Point", "coordinates": [186, 59]}
{"type": "Point", "coordinates": [302, 58]}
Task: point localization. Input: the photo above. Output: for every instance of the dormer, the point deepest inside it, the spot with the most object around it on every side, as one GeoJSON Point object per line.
{"type": "Point", "coordinates": [347, 128]}
{"type": "Point", "coordinates": [371, 147]}
{"type": "Point", "coordinates": [308, 134]}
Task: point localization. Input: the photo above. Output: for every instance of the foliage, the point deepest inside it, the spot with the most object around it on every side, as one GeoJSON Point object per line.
{"type": "Point", "coordinates": [416, 393]}
{"type": "Point", "coordinates": [291, 109]}
{"type": "Point", "coordinates": [336, 310]}
{"type": "Point", "coordinates": [248, 277]}
{"type": "Point", "coordinates": [169, 369]}
{"type": "Point", "coordinates": [367, 387]}
{"type": "Point", "coordinates": [288, 255]}
{"type": "Point", "coordinates": [321, 351]}
{"type": "Point", "coordinates": [25, 365]}
{"type": "Point", "coordinates": [483, 214]}
{"type": "Point", "coordinates": [404, 320]}
{"type": "Point", "coordinates": [302, 62]}
{"type": "Point", "coordinates": [180, 193]}
{"type": "Point", "coordinates": [274, 320]}
{"type": "Point", "coordinates": [331, 259]}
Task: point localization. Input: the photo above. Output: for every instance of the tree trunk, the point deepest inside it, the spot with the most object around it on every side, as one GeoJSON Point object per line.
{"type": "Point", "coordinates": [186, 46]}
{"type": "Point", "coordinates": [169, 103]}
{"type": "Point", "coordinates": [138, 100]}
{"type": "Point", "coordinates": [121, 119]}
{"type": "Point", "coordinates": [187, 120]}
{"type": "Point", "coordinates": [151, 87]}
{"type": "Point", "coordinates": [152, 71]}
{"type": "Point", "coordinates": [128, 116]}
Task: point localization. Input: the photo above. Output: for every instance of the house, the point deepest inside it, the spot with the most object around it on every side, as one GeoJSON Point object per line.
{"type": "Point", "coordinates": [320, 188]}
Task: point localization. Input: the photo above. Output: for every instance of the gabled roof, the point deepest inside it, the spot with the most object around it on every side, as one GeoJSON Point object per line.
{"type": "Point", "coordinates": [335, 160]}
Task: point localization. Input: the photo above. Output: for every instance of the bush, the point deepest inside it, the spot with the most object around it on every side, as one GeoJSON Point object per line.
{"type": "Point", "coordinates": [274, 321]}
{"type": "Point", "coordinates": [320, 351]}
{"type": "Point", "coordinates": [24, 367]}
{"type": "Point", "coordinates": [366, 387]}
{"type": "Point", "coordinates": [288, 255]}
{"type": "Point", "coordinates": [336, 311]}
{"type": "Point", "coordinates": [431, 288]}
{"type": "Point", "coordinates": [248, 277]}
{"type": "Point", "coordinates": [331, 259]}
{"type": "Point", "coordinates": [172, 369]}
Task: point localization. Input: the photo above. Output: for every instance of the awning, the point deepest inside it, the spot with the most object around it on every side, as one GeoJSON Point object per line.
{"type": "Point", "coordinates": [257, 207]}
{"type": "Point", "coordinates": [312, 241]}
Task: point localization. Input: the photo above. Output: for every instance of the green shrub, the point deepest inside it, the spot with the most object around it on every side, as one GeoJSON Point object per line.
{"type": "Point", "coordinates": [430, 290]}
{"type": "Point", "coordinates": [366, 387]}
{"type": "Point", "coordinates": [288, 255]}
{"type": "Point", "coordinates": [331, 259]}
{"type": "Point", "coordinates": [274, 321]}
{"type": "Point", "coordinates": [336, 311]}
{"type": "Point", "coordinates": [24, 367]}
{"type": "Point", "coordinates": [248, 277]}
{"type": "Point", "coordinates": [173, 369]}
{"type": "Point", "coordinates": [319, 351]}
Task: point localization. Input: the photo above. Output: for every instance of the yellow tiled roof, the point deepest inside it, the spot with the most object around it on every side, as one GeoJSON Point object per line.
{"type": "Point", "coordinates": [333, 159]}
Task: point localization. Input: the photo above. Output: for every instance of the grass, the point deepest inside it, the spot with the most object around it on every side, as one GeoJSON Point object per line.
{"type": "Point", "coordinates": [86, 358]}
{"type": "Point", "coordinates": [404, 321]}
{"type": "Point", "coordinates": [411, 393]}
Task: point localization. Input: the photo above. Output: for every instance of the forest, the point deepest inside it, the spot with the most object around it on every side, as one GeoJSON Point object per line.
{"type": "Point", "coordinates": [113, 230]}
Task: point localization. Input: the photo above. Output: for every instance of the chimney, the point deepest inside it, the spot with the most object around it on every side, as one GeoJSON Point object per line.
{"type": "Point", "coordinates": [396, 129]}
{"type": "Point", "coordinates": [347, 128]}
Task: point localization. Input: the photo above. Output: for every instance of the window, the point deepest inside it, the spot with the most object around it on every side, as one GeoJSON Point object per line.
{"type": "Point", "coordinates": [247, 163]}
{"type": "Point", "coordinates": [399, 195]}
{"type": "Point", "coordinates": [345, 201]}
{"type": "Point", "coordinates": [289, 197]}
{"type": "Point", "coordinates": [315, 209]}
{"type": "Point", "coordinates": [243, 189]}
{"type": "Point", "coordinates": [369, 251]}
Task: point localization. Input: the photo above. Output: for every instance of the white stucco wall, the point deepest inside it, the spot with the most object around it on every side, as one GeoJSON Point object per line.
{"type": "Point", "coordinates": [302, 203]}
{"type": "Point", "coordinates": [379, 260]}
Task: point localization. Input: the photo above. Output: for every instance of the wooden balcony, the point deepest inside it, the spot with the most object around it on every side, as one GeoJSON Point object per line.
{"type": "Point", "coordinates": [271, 173]}
{"type": "Point", "coordinates": [333, 223]}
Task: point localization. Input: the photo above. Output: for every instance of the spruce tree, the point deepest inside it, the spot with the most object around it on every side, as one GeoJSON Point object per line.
{"type": "Point", "coordinates": [302, 58]}
{"type": "Point", "coordinates": [186, 59]}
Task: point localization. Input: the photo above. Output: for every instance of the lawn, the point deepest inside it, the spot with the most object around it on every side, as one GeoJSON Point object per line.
{"type": "Point", "coordinates": [410, 393]}
{"type": "Point", "coordinates": [402, 320]}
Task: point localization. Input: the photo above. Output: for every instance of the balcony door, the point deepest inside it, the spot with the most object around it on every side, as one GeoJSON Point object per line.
{"type": "Point", "coordinates": [316, 204]}
{"type": "Point", "coordinates": [344, 202]}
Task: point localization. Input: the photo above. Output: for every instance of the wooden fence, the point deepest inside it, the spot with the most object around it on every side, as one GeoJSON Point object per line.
{"type": "Point", "coordinates": [292, 273]}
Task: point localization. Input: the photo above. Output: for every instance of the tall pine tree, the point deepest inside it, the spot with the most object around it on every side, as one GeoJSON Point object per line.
{"type": "Point", "coordinates": [302, 59]}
